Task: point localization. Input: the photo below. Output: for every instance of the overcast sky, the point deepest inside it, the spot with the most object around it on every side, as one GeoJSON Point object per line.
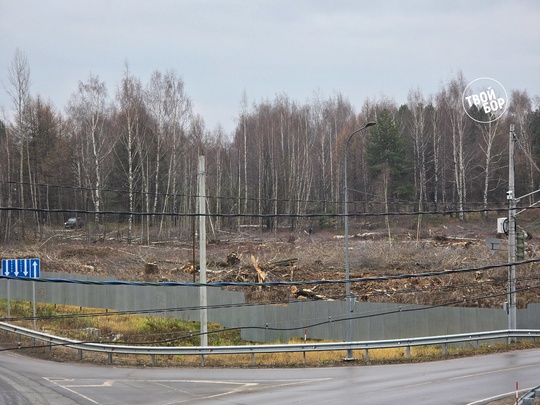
{"type": "Point", "coordinates": [223, 48]}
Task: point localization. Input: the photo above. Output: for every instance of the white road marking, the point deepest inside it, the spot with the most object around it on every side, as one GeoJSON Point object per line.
{"type": "Point", "coordinates": [70, 384]}
{"type": "Point", "coordinates": [52, 380]}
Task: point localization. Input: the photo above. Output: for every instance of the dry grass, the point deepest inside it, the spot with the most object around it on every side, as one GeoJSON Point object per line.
{"type": "Point", "coordinates": [103, 326]}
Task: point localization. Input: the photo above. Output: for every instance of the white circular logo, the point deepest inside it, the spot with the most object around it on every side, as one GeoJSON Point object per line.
{"type": "Point", "coordinates": [488, 96]}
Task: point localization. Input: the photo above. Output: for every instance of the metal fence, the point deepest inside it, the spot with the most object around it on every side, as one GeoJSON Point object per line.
{"type": "Point", "coordinates": [272, 323]}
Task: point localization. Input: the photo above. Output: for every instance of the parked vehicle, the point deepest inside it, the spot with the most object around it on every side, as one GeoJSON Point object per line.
{"type": "Point", "coordinates": [75, 222]}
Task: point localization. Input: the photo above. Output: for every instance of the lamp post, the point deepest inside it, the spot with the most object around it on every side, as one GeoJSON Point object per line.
{"type": "Point", "coordinates": [511, 233]}
{"type": "Point", "coordinates": [349, 299]}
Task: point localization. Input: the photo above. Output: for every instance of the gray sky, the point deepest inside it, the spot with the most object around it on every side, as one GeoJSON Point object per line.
{"type": "Point", "coordinates": [223, 48]}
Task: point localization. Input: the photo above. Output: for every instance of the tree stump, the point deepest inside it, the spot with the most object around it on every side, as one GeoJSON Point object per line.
{"type": "Point", "coordinates": [151, 268]}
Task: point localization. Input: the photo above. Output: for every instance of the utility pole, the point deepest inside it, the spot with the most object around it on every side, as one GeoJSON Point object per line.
{"type": "Point", "coordinates": [203, 302]}
{"type": "Point", "coordinates": [511, 196]}
{"type": "Point", "coordinates": [350, 298]}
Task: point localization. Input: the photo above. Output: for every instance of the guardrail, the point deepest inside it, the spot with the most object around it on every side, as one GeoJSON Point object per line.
{"type": "Point", "coordinates": [203, 351]}
{"type": "Point", "coordinates": [530, 397]}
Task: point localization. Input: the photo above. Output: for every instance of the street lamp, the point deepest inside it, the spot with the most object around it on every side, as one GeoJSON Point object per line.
{"type": "Point", "coordinates": [511, 233]}
{"type": "Point", "coordinates": [349, 299]}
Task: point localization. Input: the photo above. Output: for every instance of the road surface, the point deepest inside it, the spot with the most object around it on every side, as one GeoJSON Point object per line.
{"type": "Point", "coordinates": [25, 381]}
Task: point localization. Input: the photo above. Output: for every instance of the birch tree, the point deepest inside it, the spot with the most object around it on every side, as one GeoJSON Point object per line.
{"type": "Point", "coordinates": [330, 117]}
{"type": "Point", "coordinates": [131, 104]}
{"type": "Point", "coordinates": [420, 140]}
{"type": "Point", "coordinates": [242, 174]}
{"type": "Point", "coordinates": [19, 92]}
{"type": "Point", "coordinates": [171, 110]}
{"type": "Point", "coordinates": [520, 111]}
{"type": "Point", "coordinates": [492, 158]}
{"type": "Point", "coordinates": [5, 180]}
{"type": "Point", "coordinates": [88, 111]}
{"type": "Point", "coordinates": [458, 121]}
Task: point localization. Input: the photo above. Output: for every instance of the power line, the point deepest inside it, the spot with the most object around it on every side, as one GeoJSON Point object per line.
{"type": "Point", "coordinates": [262, 215]}
{"type": "Point", "coordinates": [394, 201]}
{"type": "Point", "coordinates": [270, 283]}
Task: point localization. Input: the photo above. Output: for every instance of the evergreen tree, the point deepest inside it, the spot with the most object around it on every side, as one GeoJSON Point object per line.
{"type": "Point", "coordinates": [386, 158]}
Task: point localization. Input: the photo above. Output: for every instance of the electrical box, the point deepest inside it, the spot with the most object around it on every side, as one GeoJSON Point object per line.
{"type": "Point", "coordinates": [501, 228]}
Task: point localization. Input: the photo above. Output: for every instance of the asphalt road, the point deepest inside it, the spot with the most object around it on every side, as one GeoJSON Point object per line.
{"type": "Point", "coordinates": [25, 381]}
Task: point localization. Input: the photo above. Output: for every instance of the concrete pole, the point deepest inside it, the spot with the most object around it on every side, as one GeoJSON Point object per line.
{"type": "Point", "coordinates": [203, 301]}
{"type": "Point", "coordinates": [511, 196]}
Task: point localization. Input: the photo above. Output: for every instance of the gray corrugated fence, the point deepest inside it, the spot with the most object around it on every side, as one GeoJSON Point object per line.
{"type": "Point", "coordinates": [271, 323]}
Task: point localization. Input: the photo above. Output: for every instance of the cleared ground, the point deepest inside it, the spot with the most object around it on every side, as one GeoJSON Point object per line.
{"type": "Point", "coordinates": [254, 256]}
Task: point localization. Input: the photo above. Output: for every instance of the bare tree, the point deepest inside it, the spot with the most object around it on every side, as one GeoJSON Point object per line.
{"type": "Point", "coordinates": [329, 118]}
{"type": "Point", "coordinates": [6, 171]}
{"type": "Point", "coordinates": [242, 182]}
{"type": "Point", "coordinates": [19, 92]}
{"type": "Point", "coordinates": [520, 110]}
{"type": "Point", "coordinates": [47, 158]}
{"type": "Point", "coordinates": [216, 149]}
{"type": "Point", "coordinates": [458, 120]}
{"type": "Point", "coordinates": [490, 134]}
{"type": "Point", "coordinates": [420, 139]}
{"type": "Point", "coordinates": [171, 110]}
{"type": "Point", "coordinates": [88, 111]}
{"type": "Point", "coordinates": [130, 97]}
{"type": "Point", "coordinates": [435, 146]}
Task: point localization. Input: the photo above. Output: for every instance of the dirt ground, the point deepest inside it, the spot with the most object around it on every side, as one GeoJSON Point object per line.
{"type": "Point", "coordinates": [308, 256]}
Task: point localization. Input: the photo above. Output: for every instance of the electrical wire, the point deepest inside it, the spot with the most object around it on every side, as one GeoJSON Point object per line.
{"type": "Point", "coordinates": [234, 198]}
{"type": "Point", "coordinates": [301, 327]}
{"type": "Point", "coordinates": [273, 283]}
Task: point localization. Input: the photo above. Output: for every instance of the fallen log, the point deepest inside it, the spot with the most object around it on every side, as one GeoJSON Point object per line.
{"type": "Point", "coordinates": [284, 262]}
{"type": "Point", "coordinates": [300, 292]}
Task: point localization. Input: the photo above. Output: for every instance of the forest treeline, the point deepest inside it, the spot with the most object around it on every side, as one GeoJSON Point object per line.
{"type": "Point", "coordinates": [129, 156]}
